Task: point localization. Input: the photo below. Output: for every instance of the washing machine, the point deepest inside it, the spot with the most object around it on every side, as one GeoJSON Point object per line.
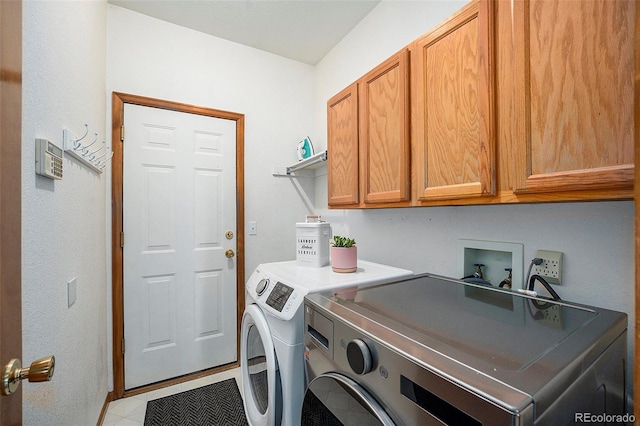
{"type": "Point", "coordinates": [272, 335]}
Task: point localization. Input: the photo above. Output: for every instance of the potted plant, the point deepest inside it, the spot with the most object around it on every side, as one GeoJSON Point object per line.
{"type": "Point", "coordinates": [344, 254]}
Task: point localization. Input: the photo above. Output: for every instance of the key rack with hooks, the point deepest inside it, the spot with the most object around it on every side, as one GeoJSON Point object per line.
{"type": "Point", "coordinates": [93, 156]}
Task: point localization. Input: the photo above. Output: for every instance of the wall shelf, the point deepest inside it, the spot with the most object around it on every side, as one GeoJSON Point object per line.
{"type": "Point", "coordinates": [313, 162]}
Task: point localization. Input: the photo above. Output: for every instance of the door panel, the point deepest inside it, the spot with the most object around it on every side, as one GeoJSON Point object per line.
{"type": "Point", "coordinates": [179, 287]}
{"type": "Point", "coordinates": [574, 94]}
{"type": "Point", "coordinates": [160, 328]}
{"type": "Point", "coordinates": [454, 120]}
{"type": "Point", "coordinates": [384, 131]}
{"type": "Point", "coordinates": [208, 287]}
{"type": "Point", "coordinates": [342, 144]}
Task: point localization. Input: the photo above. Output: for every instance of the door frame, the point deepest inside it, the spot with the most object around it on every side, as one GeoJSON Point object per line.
{"type": "Point", "coordinates": [11, 201]}
{"type": "Point", "coordinates": [117, 107]}
{"type": "Point", "coordinates": [636, 135]}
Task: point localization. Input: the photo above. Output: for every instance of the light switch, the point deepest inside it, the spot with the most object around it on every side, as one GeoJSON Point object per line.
{"type": "Point", "coordinates": [253, 228]}
{"type": "Point", "coordinates": [71, 292]}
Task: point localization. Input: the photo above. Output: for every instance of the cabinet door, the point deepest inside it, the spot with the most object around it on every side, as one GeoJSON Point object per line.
{"type": "Point", "coordinates": [455, 123]}
{"type": "Point", "coordinates": [385, 131]}
{"type": "Point", "coordinates": [574, 74]}
{"type": "Point", "coordinates": [342, 147]}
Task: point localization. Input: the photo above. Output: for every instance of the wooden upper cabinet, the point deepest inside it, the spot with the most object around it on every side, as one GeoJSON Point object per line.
{"type": "Point", "coordinates": [368, 138]}
{"type": "Point", "coordinates": [385, 131]}
{"type": "Point", "coordinates": [503, 102]}
{"type": "Point", "coordinates": [574, 89]}
{"type": "Point", "coordinates": [453, 85]}
{"type": "Point", "coordinates": [342, 147]}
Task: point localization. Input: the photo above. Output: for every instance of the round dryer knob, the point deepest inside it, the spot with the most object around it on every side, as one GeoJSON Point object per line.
{"type": "Point", "coordinates": [262, 286]}
{"type": "Point", "coordinates": [359, 357]}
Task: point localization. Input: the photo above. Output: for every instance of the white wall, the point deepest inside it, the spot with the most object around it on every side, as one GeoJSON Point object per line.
{"type": "Point", "coordinates": [63, 222]}
{"type": "Point", "coordinates": [597, 239]}
{"type": "Point", "coordinates": [152, 58]}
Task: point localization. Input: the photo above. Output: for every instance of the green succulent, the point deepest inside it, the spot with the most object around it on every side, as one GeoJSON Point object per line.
{"type": "Point", "coordinates": [339, 241]}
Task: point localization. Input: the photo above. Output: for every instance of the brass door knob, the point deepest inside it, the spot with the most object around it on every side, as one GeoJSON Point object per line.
{"type": "Point", "coordinates": [39, 371]}
{"type": "Point", "coordinates": [229, 253]}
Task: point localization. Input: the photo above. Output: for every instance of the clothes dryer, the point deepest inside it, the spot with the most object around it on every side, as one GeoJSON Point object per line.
{"type": "Point", "coordinates": [272, 335]}
{"type": "Point", "coordinates": [434, 350]}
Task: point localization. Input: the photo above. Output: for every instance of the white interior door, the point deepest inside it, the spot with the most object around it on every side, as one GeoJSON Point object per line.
{"type": "Point", "coordinates": [179, 201]}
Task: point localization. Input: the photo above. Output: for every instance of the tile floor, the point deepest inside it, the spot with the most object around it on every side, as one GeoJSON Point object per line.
{"type": "Point", "coordinates": [130, 411]}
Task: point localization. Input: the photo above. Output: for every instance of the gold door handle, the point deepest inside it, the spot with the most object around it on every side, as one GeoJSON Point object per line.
{"type": "Point", "coordinates": [39, 371]}
{"type": "Point", "coordinates": [229, 253]}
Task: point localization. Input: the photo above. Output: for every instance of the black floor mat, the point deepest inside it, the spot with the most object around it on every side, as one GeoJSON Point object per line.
{"type": "Point", "coordinates": [216, 404]}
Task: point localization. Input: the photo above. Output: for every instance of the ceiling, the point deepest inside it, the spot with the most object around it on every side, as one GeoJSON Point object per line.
{"type": "Point", "coordinates": [303, 30]}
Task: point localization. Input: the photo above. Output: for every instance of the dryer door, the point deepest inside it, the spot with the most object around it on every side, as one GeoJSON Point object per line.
{"type": "Point", "coordinates": [333, 400]}
{"type": "Point", "coordinates": [260, 373]}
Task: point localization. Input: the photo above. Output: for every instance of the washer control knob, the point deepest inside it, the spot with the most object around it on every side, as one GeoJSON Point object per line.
{"type": "Point", "coordinates": [262, 286]}
{"type": "Point", "coordinates": [359, 357]}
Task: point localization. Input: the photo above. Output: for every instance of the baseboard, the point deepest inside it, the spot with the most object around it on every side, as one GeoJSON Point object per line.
{"type": "Point", "coordinates": [105, 407]}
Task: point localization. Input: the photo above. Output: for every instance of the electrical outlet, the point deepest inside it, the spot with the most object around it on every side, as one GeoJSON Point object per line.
{"type": "Point", "coordinates": [551, 267]}
{"type": "Point", "coordinates": [552, 316]}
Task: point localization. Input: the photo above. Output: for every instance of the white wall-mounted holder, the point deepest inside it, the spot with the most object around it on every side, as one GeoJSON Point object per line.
{"type": "Point", "coordinates": [312, 162]}
{"type": "Point", "coordinates": [91, 155]}
{"type": "Point", "coordinates": [495, 256]}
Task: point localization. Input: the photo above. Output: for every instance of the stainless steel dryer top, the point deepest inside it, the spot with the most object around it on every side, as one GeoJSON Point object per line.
{"type": "Point", "coordinates": [494, 342]}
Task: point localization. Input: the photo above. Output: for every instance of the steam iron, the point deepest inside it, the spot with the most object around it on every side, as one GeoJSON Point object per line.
{"type": "Point", "coordinates": [305, 149]}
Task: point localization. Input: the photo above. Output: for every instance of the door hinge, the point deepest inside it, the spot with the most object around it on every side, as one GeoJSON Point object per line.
{"type": "Point", "coordinates": [123, 345]}
{"type": "Point", "coordinates": [122, 133]}
{"type": "Point", "coordinates": [122, 240]}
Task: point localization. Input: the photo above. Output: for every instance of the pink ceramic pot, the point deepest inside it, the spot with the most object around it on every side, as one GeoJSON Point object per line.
{"type": "Point", "coordinates": [344, 259]}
